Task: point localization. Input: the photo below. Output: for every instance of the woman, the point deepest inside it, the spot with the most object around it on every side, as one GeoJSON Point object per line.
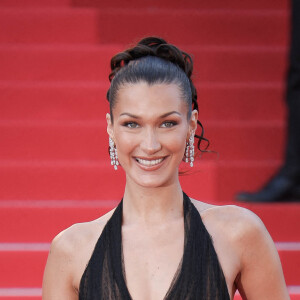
{"type": "Point", "coordinates": [158, 243]}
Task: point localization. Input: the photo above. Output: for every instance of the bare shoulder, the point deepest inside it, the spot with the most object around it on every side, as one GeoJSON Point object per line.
{"type": "Point", "coordinates": [69, 254]}
{"type": "Point", "coordinates": [246, 251]}
{"type": "Point", "coordinates": [78, 236]}
{"type": "Point", "coordinates": [237, 223]}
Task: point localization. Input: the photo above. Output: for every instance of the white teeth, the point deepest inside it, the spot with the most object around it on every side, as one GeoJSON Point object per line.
{"type": "Point", "coordinates": [149, 163]}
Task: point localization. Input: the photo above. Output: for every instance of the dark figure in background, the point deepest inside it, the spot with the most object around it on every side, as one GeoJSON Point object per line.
{"type": "Point", "coordinates": [285, 184]}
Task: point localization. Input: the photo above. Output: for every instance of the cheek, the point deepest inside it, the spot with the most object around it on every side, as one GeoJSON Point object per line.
{"type": "Point", "coordinates": [125, 142]}
{"type": "Point", "coordinates": [175, 142]}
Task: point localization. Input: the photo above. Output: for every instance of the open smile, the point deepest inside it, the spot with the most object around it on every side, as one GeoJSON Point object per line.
{"type": "Point", "coordinates": [148, 163]}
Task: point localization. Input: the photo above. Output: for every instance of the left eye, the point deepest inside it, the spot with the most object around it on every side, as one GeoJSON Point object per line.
{"type": "Point", "coordinates": [168, 124]}
{"type": "Point", "coordinates": [131, 125]}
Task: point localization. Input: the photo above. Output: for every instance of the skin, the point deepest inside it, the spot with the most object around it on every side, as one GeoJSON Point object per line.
{"type": "Point", "coordinates": [150, 122]}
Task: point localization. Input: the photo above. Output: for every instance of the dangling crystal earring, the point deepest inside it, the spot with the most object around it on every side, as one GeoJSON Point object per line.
{"type": "Point", "coordinates": [113, 154]}
{"type": "Point", "coordinates": [190, 151]}
{"type": "Point", "coordinates": [187, 152]}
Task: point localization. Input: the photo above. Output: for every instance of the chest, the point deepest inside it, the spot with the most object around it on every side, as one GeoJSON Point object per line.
{"type": "Point", "coordinates": [174, 262]}
{"type": "Point", "coordinates": [151, 259]}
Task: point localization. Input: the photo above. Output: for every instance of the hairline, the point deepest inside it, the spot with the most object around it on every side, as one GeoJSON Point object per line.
{"type": "Point", "coordinates": [175, 82]}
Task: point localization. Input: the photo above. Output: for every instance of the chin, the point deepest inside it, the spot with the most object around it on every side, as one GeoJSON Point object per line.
{"type": "Point", "coordinates": [152, 181]}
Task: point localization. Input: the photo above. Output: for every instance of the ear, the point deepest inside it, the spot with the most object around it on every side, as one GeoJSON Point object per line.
{"type": "Point", "coordinates": [193, 122]}
{"type": "Point", "coordinates": [109, 129]}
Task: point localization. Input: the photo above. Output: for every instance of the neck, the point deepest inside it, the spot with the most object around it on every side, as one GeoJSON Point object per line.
{"type": "Point", "coordinates": [152, 205]}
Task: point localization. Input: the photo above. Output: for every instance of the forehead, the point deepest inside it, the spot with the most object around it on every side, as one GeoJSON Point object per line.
{"type": "Point", "coordinates": [144, 98]}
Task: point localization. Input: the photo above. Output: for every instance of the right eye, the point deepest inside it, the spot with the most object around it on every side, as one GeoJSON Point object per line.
{"type": "Point", "coordinates": [131, 124]}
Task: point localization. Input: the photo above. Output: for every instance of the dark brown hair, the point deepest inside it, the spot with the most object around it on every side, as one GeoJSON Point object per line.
{"type": "Point", "coordinates": [155, 61]}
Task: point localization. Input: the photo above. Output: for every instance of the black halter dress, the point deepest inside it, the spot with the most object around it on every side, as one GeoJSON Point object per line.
{"type": "Point", "coordinates": [199, 275]}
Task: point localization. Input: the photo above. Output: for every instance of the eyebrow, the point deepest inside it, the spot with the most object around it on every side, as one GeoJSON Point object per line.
{"type": "Point", "coordinates": [162, 116]}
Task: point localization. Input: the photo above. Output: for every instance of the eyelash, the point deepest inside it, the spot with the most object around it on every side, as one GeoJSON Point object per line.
{"type": "Point", "coordinates": [172, 123]}
{"type": "Point", "coordinates": [166, 124]}
{"type": "Point", "coordinates": [129, 124]}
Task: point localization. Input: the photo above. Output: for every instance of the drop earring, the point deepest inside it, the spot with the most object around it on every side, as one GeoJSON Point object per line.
{"type": "Point", "coordinates": [113, 154]}
{"type": "Point", "coordinates": [190, 150]}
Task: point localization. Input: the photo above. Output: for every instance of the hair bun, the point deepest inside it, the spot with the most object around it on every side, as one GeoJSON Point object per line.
{"type": "Point", "coordinates": [153, 46]}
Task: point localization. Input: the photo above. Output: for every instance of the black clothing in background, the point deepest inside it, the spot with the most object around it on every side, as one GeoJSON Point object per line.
{"type": "Point", "coordinates": [292, 159]}
{"type": "Point", "coordinates": [285, 184]}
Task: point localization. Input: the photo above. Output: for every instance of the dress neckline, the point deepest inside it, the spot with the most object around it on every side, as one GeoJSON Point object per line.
{"type": "Point", "coordinates": [199, 274]}
{"type": "Point", "coordinates": [186, 207]}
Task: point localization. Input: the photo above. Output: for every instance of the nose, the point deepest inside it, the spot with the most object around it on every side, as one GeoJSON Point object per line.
{"type": "Point", "coordinates": [150, 143]}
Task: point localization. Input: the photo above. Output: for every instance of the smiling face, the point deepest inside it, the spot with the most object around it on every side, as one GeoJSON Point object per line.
{"type": "Point", "coordinates": [150, 129]}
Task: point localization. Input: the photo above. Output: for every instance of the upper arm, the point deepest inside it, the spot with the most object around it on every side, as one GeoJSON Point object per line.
{"type": "Point", "coordinates": [57, 281]}
{"type": "Point", "coordinates": [261, 275]}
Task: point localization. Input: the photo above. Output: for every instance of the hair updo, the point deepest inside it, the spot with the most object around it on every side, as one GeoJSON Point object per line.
{"type": "Point", "coordinates": [155, 61]}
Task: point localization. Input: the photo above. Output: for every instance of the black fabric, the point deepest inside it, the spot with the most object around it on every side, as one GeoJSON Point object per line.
{"type": "Point", "coordinates": [291, 167]}
{"type": "Point", "coordinates": [199, 275]}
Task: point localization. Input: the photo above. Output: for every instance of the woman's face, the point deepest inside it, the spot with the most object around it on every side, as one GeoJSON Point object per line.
{"type": "Point", "coordinates": [150, 129]}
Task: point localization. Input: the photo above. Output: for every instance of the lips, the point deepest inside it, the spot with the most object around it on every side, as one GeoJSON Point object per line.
{"type": "Point", "coordinates": [149, 162]}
